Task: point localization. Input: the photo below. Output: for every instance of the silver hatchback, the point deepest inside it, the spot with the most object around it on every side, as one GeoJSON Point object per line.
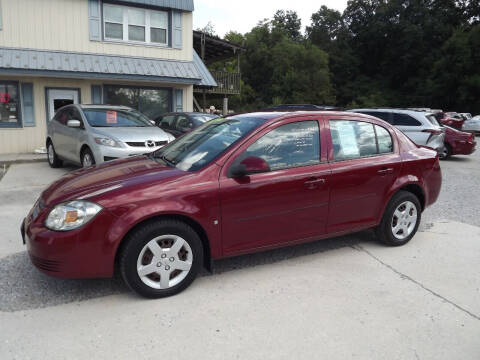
{"type": "Point", "coordinates": [92, 134]}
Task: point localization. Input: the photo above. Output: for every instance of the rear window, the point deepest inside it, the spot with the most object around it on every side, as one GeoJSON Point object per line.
{"type": "Point", "coordinates": [405, 120]}
{"type": "Point", "coordinates": [432, 120]}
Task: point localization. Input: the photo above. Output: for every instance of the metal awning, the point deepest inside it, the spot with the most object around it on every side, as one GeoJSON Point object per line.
{"type": "Point", "coordinates": [14, 61]}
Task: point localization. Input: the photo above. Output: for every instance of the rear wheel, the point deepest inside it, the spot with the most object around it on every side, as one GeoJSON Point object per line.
{"type": "Point", "coordinates": [52, 157]}
{"type": "Point", "coordinates": [401, 219]}
{"type": "Point", "coordinates": [161, 258]}
{"type": "Point", "coordinates": [87, 158]}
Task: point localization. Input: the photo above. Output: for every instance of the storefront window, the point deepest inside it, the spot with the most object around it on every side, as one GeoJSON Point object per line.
{"type": "Point", "coordinates": [9, 104]}
{"type": "Point", "coordinates": [152, 102]}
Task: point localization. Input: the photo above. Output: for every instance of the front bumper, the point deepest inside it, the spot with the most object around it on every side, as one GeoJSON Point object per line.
{"type": "Point", "coordinates": [107, 153]}
{"type": "Point", "coordinates": [81, 253]}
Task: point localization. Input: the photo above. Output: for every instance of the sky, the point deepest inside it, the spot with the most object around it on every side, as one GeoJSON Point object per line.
{"type": "Point", "coordinates": [243, 15]}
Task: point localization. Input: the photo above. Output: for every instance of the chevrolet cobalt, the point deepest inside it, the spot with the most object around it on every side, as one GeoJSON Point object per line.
{"type": "Point", "coordinates": [234, 185]}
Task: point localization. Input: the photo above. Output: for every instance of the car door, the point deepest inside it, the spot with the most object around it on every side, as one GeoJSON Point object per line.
{"type": "Point", "coordinates": [59, 132]}
{"type": "Point", "coordinates": [73, 135]}
{"type": "Point", "coordinates": [365, 162]}
{"type": "Point", "coordinates": [285, 204]}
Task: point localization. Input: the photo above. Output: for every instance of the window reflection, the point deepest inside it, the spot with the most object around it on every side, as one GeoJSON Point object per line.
{"type": "Point", "coordinates": [292, 145]}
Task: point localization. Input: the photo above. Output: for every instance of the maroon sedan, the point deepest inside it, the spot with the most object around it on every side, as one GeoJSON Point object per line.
{"type": "Point", "coordinates": [233, 186]}
{"type": "Point", "coordinates": [458, 143]}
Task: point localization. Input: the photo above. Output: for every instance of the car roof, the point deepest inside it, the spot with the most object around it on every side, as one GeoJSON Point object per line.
{"type": "Point", "coordinates": [269, 115]}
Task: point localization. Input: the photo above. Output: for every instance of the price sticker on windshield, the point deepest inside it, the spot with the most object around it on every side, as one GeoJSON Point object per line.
{"type": "Point", "coordinates": [111, 117]}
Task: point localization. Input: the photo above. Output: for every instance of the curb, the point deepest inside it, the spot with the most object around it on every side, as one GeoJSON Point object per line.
{"type": "Point", "coordinates": [21, 161]}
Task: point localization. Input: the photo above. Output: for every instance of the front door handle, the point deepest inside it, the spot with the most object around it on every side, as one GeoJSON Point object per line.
{"type": "Point", "coordinates": [385, 171]}
{"type": "Point", "coordinates": [313, 183]}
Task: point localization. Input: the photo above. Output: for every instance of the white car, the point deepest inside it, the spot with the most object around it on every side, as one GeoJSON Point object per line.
{"type": "Point", "coordinates": [92, 134]}
{"type": "Point", "coordinates": [472, 125]}
{"type": "Point", "coordinates": [421, 127]}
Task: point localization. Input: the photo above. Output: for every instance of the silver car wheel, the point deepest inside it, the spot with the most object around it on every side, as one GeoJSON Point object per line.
{"type": "Point", "coordinates": [87, 160]}
{"type": "Point", "coordinates": [404, 220]}
{"type": "Point", "coordinates": [164, 262]}
{"type": "Point", "coordinates": [51, 154]}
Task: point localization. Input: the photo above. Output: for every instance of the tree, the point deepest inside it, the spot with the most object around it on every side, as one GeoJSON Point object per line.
{"type": "Point", "coordinates": [289, 22]}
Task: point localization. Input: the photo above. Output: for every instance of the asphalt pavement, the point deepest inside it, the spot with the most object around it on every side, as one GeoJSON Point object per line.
{"type": "Point", "coordinates": [347, 297]}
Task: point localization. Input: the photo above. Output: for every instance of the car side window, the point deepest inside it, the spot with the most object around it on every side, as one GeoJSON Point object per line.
{"type": "Point", "coordinates": [61, 116]}
{"type": "Point", "coordinates": [167, 122]}
{"type": "Point", "coordinates": [184, 123]}
{"type": "Point", "coordinates": [73, 114]}
{"type": "Point", "coordinates": [288, 146]}
{"type": "Point", "coordinates": [405, 120]}
{"type": "Point", "coordinates": [352, 139]}
{"type": "Point", "coordinates": [384, 140]}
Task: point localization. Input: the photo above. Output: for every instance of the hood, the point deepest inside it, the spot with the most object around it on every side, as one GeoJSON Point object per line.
{"type": "Point", "coordinates": [112, 176]}
{"type": "Point", "coordinates": [133, 134]}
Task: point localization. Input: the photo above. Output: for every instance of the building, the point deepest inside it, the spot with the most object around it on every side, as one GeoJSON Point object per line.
{"type": "Point", "coordinates": [56, 52]}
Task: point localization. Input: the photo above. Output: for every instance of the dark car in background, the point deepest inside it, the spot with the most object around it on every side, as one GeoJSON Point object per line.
{"type": "Point", "coordinates": [180, 123]}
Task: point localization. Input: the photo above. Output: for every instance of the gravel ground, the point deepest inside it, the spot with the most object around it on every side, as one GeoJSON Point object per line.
{"type": "Point", "coordinates": [459, 199]}
{"type": "Point", "coordinates": [22, 287]}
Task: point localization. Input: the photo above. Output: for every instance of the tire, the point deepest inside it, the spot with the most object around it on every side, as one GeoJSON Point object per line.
{"type": "Point", "coordinates": [394, 230]}
{"type": "Point", "coordinates": [52, 157]}
{"type": "Point", "coordinates": [161, 264]}
{"type": "Point", "coordinates": [86, 158]}
{"type": "Point", "coordinates": [447, 152]}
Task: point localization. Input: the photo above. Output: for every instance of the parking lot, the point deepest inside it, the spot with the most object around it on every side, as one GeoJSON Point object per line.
{"type": "Point", "coordinates": [337, 298]}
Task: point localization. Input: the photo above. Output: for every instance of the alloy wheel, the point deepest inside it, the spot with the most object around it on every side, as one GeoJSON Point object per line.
{"type": "Point", "coordinates": [87, 160]}
{"type": "Point", "coordinates": [51, 154]}
{"type": "Point", "coordinates": [404, 220]}
{"type": "Point", "coordinates": [164, 261]}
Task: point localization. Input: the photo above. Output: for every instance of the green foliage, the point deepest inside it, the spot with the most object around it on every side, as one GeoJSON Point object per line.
{"type": "Point", "coordinates": [399, 53]}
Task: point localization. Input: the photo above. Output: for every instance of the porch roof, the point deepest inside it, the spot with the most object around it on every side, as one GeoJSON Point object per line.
{"type": "Point", "coordinates": [14, 61]}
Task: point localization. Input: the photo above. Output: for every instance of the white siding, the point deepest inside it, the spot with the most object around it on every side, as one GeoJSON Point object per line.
{"type": "Point", "coordinates": [63, 25]}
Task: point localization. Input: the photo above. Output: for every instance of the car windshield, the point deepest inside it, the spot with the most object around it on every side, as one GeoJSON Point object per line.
{"type": "Point", "coordinates": [203, 145]}
{"type": "Point", "coordinates": [116, 118]}
{"type": "Point", "coordinates": [204, 117]}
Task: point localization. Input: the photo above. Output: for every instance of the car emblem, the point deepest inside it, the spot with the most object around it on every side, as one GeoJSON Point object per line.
{"type": "Point", "coordinates": [149, 143]}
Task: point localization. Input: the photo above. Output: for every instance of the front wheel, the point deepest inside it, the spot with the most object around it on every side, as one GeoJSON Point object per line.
{"type": "Point", "coordinates": [87, 158]}
{"type": "Point", "coordinates": [401, 219]}
{"type": "Point", "coordinates": [161, 258]}
{"type": "Point", "coordinates": [53, 159]}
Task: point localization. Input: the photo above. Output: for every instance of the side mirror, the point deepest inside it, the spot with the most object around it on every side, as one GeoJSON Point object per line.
{"type": "Point", "coordinates": [74, 123]}
{"type": "Point", "coordinates": [249, 165]}
{"type": "Point", "coordinates": [153, 122]}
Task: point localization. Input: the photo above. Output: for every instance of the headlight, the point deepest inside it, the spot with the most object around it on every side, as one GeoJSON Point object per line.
{"type": "Point", "coordinates": [106, 142]}
{"type": "Point", "coordinates": [71, 215]}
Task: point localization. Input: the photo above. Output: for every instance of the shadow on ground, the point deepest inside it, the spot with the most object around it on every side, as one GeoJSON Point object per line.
{"type": "Point", "coordinates": [23, 287]}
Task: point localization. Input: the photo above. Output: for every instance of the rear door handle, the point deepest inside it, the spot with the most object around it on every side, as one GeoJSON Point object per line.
{"type": "Point", "coordinates": [313, 183]}
{"type": "Point", "coordinates": [385, 171]}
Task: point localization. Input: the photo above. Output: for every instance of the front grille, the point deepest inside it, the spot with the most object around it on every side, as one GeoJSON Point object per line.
{"type": "Point", "coordinates": [47, 265]}
{"type": "Point", "coordinates": [109, 158]}
{"type": "Point", "coordinates": [142, 144]}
